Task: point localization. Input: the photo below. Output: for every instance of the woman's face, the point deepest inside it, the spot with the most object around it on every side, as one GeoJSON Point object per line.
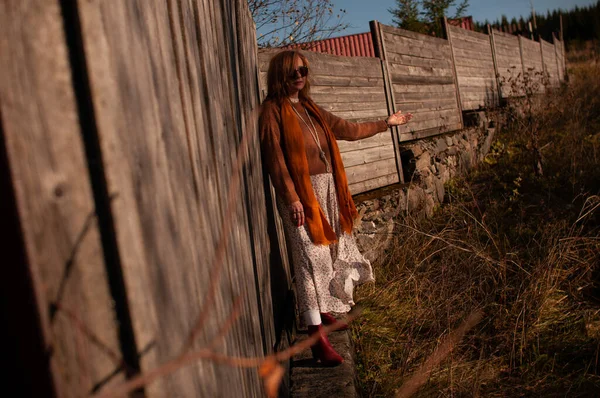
{"type": "Point", "coordinates": [296, 81]}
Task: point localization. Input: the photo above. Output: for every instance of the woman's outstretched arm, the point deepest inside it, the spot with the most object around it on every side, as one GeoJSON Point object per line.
{"type": "Point", "coordinates": [348, 131]}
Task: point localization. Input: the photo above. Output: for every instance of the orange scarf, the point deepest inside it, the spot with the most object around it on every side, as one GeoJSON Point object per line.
{"type": "Point", "coordinates": [321, 233]}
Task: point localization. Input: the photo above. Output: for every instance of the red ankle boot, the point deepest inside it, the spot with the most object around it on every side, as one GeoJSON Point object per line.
{"type": "Point", "coordinates": [322, 349]}
{"type": "Point", "coordinates": [329, 319]}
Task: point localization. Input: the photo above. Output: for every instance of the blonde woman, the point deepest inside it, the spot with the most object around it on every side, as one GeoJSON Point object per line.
{"type": "Point", "coordinates": [298, 140]}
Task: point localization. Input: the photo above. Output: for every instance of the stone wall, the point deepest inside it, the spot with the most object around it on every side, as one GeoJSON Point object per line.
{"type": "Point", "coordinates": [427, 165]}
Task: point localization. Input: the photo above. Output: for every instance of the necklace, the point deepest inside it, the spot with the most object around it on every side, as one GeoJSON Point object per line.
{"type": "Point", "coordinates": [315, 135]}
{"type": "Point", "coordinates": [294, 100]}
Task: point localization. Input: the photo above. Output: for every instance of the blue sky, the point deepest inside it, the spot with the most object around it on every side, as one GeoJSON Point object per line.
{"type": "Point", "coordinates": [360, 12]}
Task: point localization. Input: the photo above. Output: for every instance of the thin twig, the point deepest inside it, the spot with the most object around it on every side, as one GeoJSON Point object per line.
{"type": "Point", "coordinates": [446, 347]}
{"type": "Point", "coordinates": [217, 263]}
{"type": "Point", "coordinates": [80, 325]}
{"type": "Point", "coordinates": [206, 353]}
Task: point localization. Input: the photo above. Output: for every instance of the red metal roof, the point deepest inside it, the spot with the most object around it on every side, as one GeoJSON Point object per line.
{"type": "Point", "coordinates": [463, 22]}
{"type": "Point", "coordinates": [357, 45]}
{"type": "Point", "coordinates": [361, 44]}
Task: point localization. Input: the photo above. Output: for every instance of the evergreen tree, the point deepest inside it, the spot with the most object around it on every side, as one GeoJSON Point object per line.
{"type": "Point", "coordinates": [425, 16]}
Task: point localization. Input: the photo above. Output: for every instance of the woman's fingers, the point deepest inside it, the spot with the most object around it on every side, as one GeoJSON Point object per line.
{"type": "Point", "coordinates": [297, 213]}
{"type": "Point", "coordinates": [403, 118]}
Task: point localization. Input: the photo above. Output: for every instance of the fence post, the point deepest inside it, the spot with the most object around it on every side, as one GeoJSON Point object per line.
{"type": "Point", "coordinates": [543, 63]}
{"type": "Point", "coordinates": [446, 30]}
{"type": "Point", "coordinates": [493, 44]}
{"type": "Point", "coordinates": [558, 67]}
{"type": "Point", "coordinates": [523, 71]}
{"type": "Point", "coordinates": [379, 46]}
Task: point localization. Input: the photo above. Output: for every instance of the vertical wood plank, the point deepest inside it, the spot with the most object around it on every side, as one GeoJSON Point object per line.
{"type": "Point", "coordinates": [494, 59]}
{"type": "Point", "coordinates": [165, 82]}
{"type": "Point", "coordinates": [454, 74]}
{"type": "Point", "coordinates": [46, 159]}
{"type": "Point", "coordinates": [521, 52]}
{"type": "Point", "coordinates": [379, 44]}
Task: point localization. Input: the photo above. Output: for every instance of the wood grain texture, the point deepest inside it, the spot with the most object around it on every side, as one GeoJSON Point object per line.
{"type": "Point", "coordinates": [475, 71]}
{"type": "Point", "coordinates": [421, 70]}
{"type": "Point", "coordinates": [54, 198]}
{"type": "Point", "coordinates": [171, 115]}
{"type": "Point", "coordinates": [550, 65]}
{"type": "Point", "coordinates": [532, 62]}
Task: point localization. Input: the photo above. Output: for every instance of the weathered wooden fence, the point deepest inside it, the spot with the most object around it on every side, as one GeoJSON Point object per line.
{"type": "Point", "coordinates": [131, 159]}
{"type": "Point", "coordinates": [435, 79]}
{"type": "Point", "coordinates": [132, 191]}
{"type": "Point", "coordinates": [422, 81]}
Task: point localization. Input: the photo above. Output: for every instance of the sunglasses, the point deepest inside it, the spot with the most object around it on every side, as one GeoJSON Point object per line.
{"type": "Point", "coordinates": [303, 70]}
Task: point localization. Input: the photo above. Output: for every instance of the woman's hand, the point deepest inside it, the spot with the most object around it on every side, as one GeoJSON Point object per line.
{"type": "Point", "coordinates": [297, 213]}
{"type": "Point", "coordinates": [398, 118]}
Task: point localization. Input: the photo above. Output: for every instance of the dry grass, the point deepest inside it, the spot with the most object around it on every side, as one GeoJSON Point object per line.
{"type": "Point", "coordinates": [522, 248]}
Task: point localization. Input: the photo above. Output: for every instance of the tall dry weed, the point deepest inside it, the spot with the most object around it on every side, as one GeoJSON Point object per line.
{"type": "Point", "coordinates": [521, 247]}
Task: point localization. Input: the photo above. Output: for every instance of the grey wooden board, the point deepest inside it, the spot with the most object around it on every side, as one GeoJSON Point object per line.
{"type": "Point", "coordinates": [374, 183]}
{"type": "Point", "coordinates": [509, 64]}
{"type": "Point", "coordinates": [532, 61]}
{"type": "Point", "coordinates": [474, 65]}
{"type": "Point", "coordinates": [249, 103]}
{"type": "Point", "coordinates": [468, 34]}
{"type": "Point", "coordinates": [359, 173]}
{"type": "Point", "coordinates": [164, 96]}
{"type": "Point", "coordinates": [412, 35]}
{"type": "Point", "coordinates": [427, 48]}
{"type": "Point", "coordinates": [416, 135]}
{"type": "Point", "coordinates": [366, 156]}
{"type": "Point", "coordinates": [421, 73]}
{"type": "Point", "coordinates": [56, 209]}
{"type": "Point", "coordinates": [550, 64]}
{"type": "Point", "coordinates": [405, 59]}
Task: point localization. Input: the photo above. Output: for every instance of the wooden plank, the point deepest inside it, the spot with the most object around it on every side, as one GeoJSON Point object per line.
{"type": "Point", "coordinates": [472, 55]}
{"type": "Point", "coordinates": [403, 45]}
{"type": "Point", "coordinates": [349, 97]}
{"type": "Point", "coordinates": [376, 114]}
{"type": "Point", "coordinates": [377, 140]}
{"type": "Point", "coordinates": [408, 136]}
{"type": "Point", "coordinates": [376, 169]}
{"type": "Point", "coordinates": [435, 122]}
{"type": "Point", "coordinates": [476, 64]}
{"type": "Point", "coordinates": [396, 69]}
{"type": "Point", "coordinates": [404, 97]}
{"type": "Point", "coordinates": [414, 60]}
{"type": "Point", "coordinates": [472, 46]}
{"type": "Point", "coordinates": [353, 106]}
{"type": "Point", "coordinates": [411, 35]}
{"type": "Point", "coordinates": [421, 80]}
{"type": "Point", "coordinates": [374, 183]}
{"type": "Point", "coordinates": [462, 33]}
{"type": "Point", "coordinates": [163, 206]}
{"type": "Point", "coordinates": [346, 81]}
{"type": "Point", "coordinates": [428, 105]}
{"type": "Point", "coordinates": [425, 120]}
{"type": "Point", "coordinates": [369, 155]}
{"type": "Point", "coordinates": [425, 88]}
{"type": "Point", "coordinates": [377, 32]}
{"type": "Point", "coordinates": [494, 57]}
{"type": "Point", "coordinates": [356, 91]}
{"type": "Point", "coordinates": [503, 35]}
{"type": "Point", "coordinates": [248, 106]}
{"type": "Point", "coordinates": [42, 136]}
{"type": "Point", "coordinates": [415, 49]}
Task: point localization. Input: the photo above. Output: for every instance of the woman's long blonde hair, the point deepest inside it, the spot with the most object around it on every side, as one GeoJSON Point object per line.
{"type": "Point", "coordinates": [281, 68]}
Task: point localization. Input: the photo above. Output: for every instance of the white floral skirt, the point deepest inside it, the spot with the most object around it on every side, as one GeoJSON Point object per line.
{"type": "Point", "coordinates": [325, 276]}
